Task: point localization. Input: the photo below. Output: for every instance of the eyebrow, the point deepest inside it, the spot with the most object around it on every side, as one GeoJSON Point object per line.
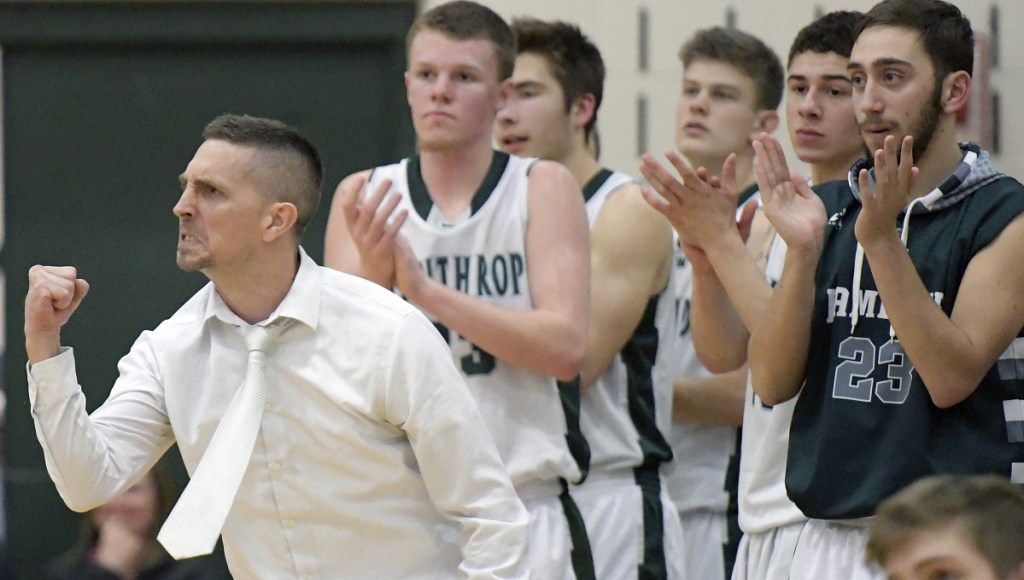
{"type": "Point", "coordinates": [528, 84]}
{"type": "Point", "coordinates": [880, 63]}
{"type": "Point", "coordinates": [713, 85]}
{"type": "Point", "coordinates": [201, 181]}
{"type": "Point", "coordinates": [826, 78]}
{"type": "Point", "coordinates": [938, 560]}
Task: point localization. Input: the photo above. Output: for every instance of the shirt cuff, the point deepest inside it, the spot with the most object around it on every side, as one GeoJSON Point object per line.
{"type": "Point", "coordinates": [52, 380]}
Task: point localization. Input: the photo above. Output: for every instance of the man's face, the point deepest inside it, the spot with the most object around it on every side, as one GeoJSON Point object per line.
{"type": "Point", "coordinates": [453, 90]}
{"type": "Point", "coordinates": [534, 121]}
{"type": "Point", "coordinates": [894, 87]}
{"type": "Point", "coordinates": [819, 109]}
{"type": "Point", "coordinates": [716, 114]}
{"type": "Point", "coordinates": [221, 212]}
{"type": "Point", "coordinates": [939, 553]}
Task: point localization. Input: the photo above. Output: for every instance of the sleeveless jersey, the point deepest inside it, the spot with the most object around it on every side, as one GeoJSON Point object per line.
{"type": "Point", "coordinates": [763, 502]}
{"type": "Point", "coordinates": [696, 480]}
{"type": "Point", "coordinates": [626, 413]}
{"type": "Point", "coordinates": [864, 425]}
{"type": "Point", "coordinates": [533, 418]}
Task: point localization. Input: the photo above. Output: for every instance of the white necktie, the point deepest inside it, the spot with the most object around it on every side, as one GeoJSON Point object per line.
{"type": "Point", "coordinates": [195, 522]}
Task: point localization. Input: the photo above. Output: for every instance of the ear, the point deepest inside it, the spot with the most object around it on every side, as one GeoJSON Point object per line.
{"type": "Point", "coordinates": [408, 80]}
{"type": "Point", "coordinates": [767, 122]}
{"type": "Point", "coordinates": [583, 110]}
{"type": "Point", "coordinates": [956, 90]}
{"type": "Point", "coordinates": [279, 220]}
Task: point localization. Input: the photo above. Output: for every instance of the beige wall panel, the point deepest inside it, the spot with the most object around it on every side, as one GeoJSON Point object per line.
{"type": "Point", "coordinates": [612, 24]}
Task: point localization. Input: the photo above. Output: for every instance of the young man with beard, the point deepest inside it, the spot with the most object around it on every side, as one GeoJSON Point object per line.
{"type": "Point", "coordinates": [320, 417]}
{"type": "Point", "coordinates": [898, 315]}
{"type": "Point", "coordinates": [733, 280]}
{"type": "Point", "coordinates": [634, 337]}
{"type": "Point", "coordinates": [494, 249]}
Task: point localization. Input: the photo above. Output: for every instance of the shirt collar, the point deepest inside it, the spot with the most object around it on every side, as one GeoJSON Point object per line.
{"type": "Point", "coordinates": [302, 303]}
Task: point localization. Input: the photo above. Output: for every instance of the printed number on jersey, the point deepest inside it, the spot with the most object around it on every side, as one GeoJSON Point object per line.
{"type": "Point", "coordinates": [853, 378]}
{"type": "Point", "coordinates": [476, 362]}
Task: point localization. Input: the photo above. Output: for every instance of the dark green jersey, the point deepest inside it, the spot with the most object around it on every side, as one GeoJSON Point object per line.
{"type": "Point", "coordinates": [864, 425]}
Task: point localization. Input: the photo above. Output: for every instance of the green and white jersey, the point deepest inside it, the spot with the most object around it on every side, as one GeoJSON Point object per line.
{"type": "Point", "coordinates": [864, 425]}
{"type": "Point", "coordinates": [696, 479]}
{"type": "Point", "coordinates": [626, 413]}
{"type": "Point", "coordinates": [533, 418]}
{"type": "Point", "coordinates": [763, 502]}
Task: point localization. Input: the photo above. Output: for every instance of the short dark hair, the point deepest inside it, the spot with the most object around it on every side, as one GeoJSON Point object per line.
{"type": "Point", "coordinates": [465, 20]}
{"type": "Point", "coordinates": [833, 32]}
{"type": "Point", "coordinates": [743, 51]}
{"type": "Point", "coordinates": [303, 173]}
{"type": "Point", "coordinates": [944, 31]}
{"type": "Point", "coordinates": [574, 59]}
{"type": "Point", "coordinates": [988, 509]}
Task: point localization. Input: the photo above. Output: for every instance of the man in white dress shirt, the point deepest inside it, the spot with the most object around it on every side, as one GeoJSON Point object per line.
{"type": "Point", "coordinates": [371, 459]}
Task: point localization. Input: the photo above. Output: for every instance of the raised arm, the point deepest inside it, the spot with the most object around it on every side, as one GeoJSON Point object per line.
{"type": "Point", "coordinates": [729, 291]}
{"type": "Point", "coordinates": [631, 250]}
{"type": "Point", "coordinates": [779, 344]}
{"type": "Point", "coordinates": [361, 230]}
{"type": "Point", "coordinates": [90, 459]}
{"type": "Point", "coordinates": [950, 353]}
{"type": "Point", "coordinates": [550, 338]}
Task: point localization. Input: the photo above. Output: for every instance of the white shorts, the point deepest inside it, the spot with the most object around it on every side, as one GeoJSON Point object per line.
{"type": "Point", "coordinates": [767, 555]}
{"type": "Point", "coordinates": [551, 545]}
{"type": "Point", "coordinates": [828, 549]}
{"type": "Point", "coordinates": [705, 534]}
{"type": "Point", "coordinates": [613, 509]}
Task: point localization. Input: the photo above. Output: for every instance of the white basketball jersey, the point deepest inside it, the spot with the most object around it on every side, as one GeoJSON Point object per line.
{"type": "Point", "coordinates": [626, 414]}
{"type": "Point", "coordinates": [530, 416]}
{"type": "Point", "coordinates": [696, 477]}
{"type": "Point", "coordinates": [763, 502]}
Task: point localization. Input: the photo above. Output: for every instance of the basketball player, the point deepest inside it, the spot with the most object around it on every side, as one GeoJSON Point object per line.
{"type": "Point", "coordinates": [824, 134]}
{"type": "Point", "coordinates": [493, 248]}
{"type": "Point", "coordinates": [625, 410]}
{"type": "Point", "coordinates": [732, 85]}
{"type": "Point", "coordinates": [899, 310]}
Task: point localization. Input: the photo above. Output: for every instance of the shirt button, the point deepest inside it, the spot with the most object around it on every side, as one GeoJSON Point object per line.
{"type": "Point", "coordinates": [290, 523]}
{"type": "Point", "coordinates": [267, 407]}
{"type": "Point", "coordinates": [275, 466]}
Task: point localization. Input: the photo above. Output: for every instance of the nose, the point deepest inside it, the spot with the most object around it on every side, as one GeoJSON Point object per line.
{"type": "Point", "coordinates": [508, 114]}
{"type": "Point", "coordinates": [868, 98]}
{"type": "Point", "coordinates": [184, 207]}
{"type": "Point", "coordinates": [809, 105]}
{"type": "Point", "coordinates": [442, 88]}
{"type": "Point", "coordinates": [697, 103]}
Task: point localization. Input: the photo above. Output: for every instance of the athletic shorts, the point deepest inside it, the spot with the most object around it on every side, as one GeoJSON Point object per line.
{"type": "Point", "coordinates": [615, 509]}
{"type": "Point", "coordinates": [705, 534]}
{"type": "Point", "coordinates": [830, 549]}
{"type": "Point", "coordinates": [767, 555]}
{"type": "Point", "coordinates": [559, 548]}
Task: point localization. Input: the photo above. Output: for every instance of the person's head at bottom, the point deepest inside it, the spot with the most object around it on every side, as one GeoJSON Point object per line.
{"type": "Point", "coordinates": [951, 526]}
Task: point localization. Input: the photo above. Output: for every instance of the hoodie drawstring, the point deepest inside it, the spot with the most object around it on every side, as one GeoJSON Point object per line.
{"type": "Point", "coordinates": [858, 260]}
